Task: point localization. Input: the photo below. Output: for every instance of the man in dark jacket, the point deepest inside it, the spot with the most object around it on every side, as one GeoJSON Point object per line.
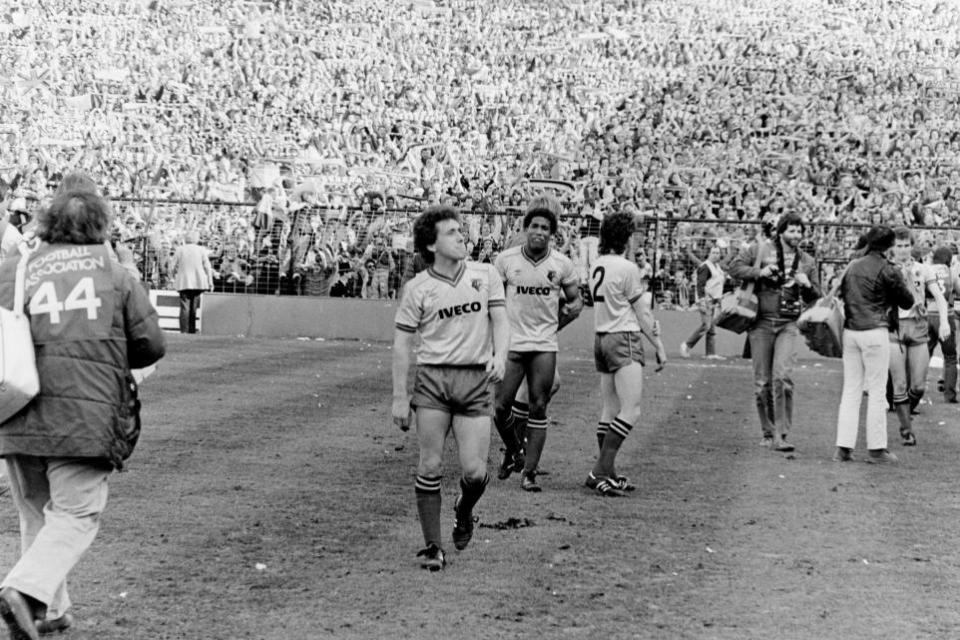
{"type": "Point", "coordinates": [91, 323]}
{"type": "Point", "coordinates": [871, 288]}
{"type": "Point", "coordinates": [785, 281]}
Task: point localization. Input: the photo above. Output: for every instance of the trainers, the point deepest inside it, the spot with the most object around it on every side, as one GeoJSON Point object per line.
{"type": "Point", "coordinates": [783, 446]}
{"type": "Point", "coordinates": [909, 440]}
{"type": "Point", "coordinates": [767, 442]}
{"type": "Point", "coordinates": [528, 482]}
{"type": "Point", "coordinates": [623, 483]}
{"type": "Point", "coordinates": [881, 456]}
{"type": "Point", "coordinates": [605, 487]}
{"type": "Point", "coordinates": [433, 558]}
{"type": "Point", "coordinates": [843, 454]}
{"type": "Point", "coordinates": [509, 463]}
{"type": "Point", "coordinates": [684, 350]}
{"type": "Point", "coordinates": [714, 356]}
{"type": "Point", "coordinates": [463, 527]}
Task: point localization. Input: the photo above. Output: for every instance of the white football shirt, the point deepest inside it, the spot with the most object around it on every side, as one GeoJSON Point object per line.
{"type": "Point", "coordinates": [615, 284]}
{"type": "Point", "coordinates": [452, 315]}
{"type": "Point", "coordinates": [533, 296]}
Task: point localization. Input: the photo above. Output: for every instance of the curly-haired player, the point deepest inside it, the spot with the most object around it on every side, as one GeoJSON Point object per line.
{"type": "Point", "coordinates": [621, 315]}
{"type": "Point", "coordinates": [536, 278]}
{"type": "Point", "coordinates": [455, 306]}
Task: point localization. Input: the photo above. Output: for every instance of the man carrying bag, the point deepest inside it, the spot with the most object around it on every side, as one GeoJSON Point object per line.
{"type": "Point", "coordinates": [784, 279]}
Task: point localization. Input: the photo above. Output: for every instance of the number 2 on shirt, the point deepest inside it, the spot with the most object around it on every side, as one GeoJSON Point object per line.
{"type": "Point", "coordinates": [597, 279]}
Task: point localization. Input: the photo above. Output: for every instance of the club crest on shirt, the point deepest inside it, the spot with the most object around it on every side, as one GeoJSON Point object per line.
{"type": "Point", "coordinates": [476, 283]}
{"type": "Point", "coordinates": [552, 277]}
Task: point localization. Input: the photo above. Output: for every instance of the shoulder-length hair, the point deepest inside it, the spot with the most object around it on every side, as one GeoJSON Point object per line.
{"type": "Point", "coordinates": [75, 217]}
{"type": "Point", "coordinates": [615, 232]}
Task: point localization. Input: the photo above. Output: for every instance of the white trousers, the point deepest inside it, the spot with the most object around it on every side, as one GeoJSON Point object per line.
{"type": "Point", "coordinates": [866, 357]}
{"type": "Point", "coordinates": [59, 501]}
{"type": "Point", "coordinates": [589, 251]}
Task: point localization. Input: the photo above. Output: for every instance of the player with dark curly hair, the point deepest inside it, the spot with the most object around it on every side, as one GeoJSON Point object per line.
{"type": "Point", "coordinates": [621, 315]}
{"type": "Point", "coordinates": [537, 278]}
{"type": "Point", "coordinates": [455, 306]}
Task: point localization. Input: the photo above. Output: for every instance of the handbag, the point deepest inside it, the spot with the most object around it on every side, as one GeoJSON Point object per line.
{"type": "Point", "coordinates": [19, 382]}
{"type": "Point", "coordinates": [822, 323]}
{"type": "Point", "coordinates": [737, 310]}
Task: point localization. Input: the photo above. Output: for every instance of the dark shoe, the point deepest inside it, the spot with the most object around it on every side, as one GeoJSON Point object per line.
{"type": "Point", "coordinates": [433, 558]}
{"type": "Point", "coordinates": [881, 456]}
{"type": "Point", "coordinates": [528, 482]}
{"type": "Point", "coordinates": [623, 483]}
{"type": "Point", "coordinates": [843, 454]}
{"type": "Point", "coordinates": [18, 614]}
{"type": "Point", "coordinates": [509, 463]}
{"type": "Point", "coordinates": [909, 439]}
{"type": "Point", "coordinates": [56, 625]}
{"type": "Point", "coordinates": [952, 400]}
{"type": "Point", "coordinates": [606, 488]}
{"type": "Point", "coordinates": [463, 527]}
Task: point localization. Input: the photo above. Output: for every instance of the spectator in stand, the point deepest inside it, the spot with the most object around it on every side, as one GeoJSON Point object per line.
{"type": "Point", "coordinates": [231, 274]}
{"type": "Point", "coordinates": [713, 128]}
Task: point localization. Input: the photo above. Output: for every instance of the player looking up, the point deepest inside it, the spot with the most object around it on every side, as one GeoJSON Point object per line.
{"type": "Point", "coordinates": [455, 306]}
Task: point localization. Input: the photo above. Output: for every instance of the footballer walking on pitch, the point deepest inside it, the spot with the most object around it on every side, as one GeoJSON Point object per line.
{"type": "Point", "coordinates": [452, 305]}
{"type": "Point", "coordinates": [534, 275]}
{"type": "Point", "coordinates": [909, 355]}
{"type": "Point", "coordinates": [621, 315]}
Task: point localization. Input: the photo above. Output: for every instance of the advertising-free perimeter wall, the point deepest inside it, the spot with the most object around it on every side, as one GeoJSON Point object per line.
{"type": "Point", "coordinates": [254, 316]}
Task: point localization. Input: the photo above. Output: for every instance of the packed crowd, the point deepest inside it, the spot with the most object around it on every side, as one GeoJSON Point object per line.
{"type": "Point", "coordinates": [842, 111]}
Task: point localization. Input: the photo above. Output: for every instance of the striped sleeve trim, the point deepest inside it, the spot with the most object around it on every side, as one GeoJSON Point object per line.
{"type": "Point", "coordinates": [405, 327]}
{"type": "Point", "coordinates": [497, 303]}
{"type": "Point", "coordinates": [635, 298]}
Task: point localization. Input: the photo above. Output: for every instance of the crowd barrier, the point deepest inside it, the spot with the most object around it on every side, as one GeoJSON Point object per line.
{"type": "Point", "coordinates": [343, 252]}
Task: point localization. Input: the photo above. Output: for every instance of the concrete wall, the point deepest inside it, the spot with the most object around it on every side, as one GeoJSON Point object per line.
{"type": "Point", "coordinates": [255, 316]}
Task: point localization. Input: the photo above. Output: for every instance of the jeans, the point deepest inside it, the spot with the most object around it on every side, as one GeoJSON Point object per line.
{"type": "Point", "coordinates": [773, 348]}
{"type": "Point", "coordinates": [707, 308]}
{"type": "Point", "coordinates": [59, 501]}
{"type": "Point", "coordinates": [866, 358]}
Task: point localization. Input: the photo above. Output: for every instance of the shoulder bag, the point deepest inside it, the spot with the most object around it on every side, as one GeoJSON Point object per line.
{"type": "Point", "coordinates": [737, 310]}
{"type": "Point", "coordinates": [19, 382]}
{"type": "Point", "coordinates": [822, 323]}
